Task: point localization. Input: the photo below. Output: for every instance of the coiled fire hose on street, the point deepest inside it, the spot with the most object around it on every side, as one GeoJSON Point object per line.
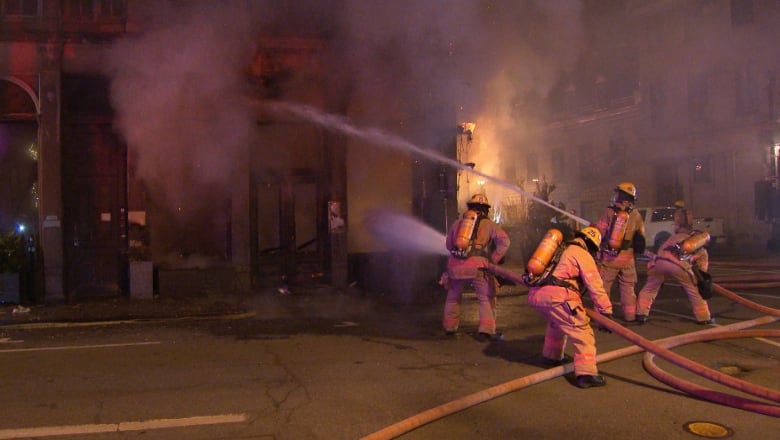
{"type": "Point", "coordinates": [658, 348]}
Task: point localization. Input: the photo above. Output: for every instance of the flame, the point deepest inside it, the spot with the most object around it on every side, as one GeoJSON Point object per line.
{"type": "Point", "coordinates": [468, 127]}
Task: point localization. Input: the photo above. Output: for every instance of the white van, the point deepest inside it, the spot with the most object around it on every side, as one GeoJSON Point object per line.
{"type": "Point", "coordinates": [659, 225]}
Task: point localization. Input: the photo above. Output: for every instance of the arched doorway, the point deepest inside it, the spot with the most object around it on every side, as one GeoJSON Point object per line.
{"type": "Point", "coordinates": [19, 191]}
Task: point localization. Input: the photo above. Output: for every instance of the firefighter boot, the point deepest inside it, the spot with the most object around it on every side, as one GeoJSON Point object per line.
{"type": "Point", "coordinates": [485, 337]}
{"type": "Point", "coordinates": [566, 359]}
{"type": "Point", "coordinates": [587, 381]}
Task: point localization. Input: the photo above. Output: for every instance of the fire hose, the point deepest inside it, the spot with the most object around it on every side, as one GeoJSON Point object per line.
{"type": "Point", "coordinates": [659, 348]}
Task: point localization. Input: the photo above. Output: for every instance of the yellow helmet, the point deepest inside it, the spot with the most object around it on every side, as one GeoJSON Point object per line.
{"type": "Point", "coordinates": [679, 204]}
{"type": "Point", "coordinates": [479, 199]}
{"type": "Point", "coordinates": [591, 234]}
{"type": "Point", "coordinates": [628, 188]}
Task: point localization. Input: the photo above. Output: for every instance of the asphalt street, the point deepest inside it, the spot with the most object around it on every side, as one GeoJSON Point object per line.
{"type": "Point", "coordinates": [349, 365]}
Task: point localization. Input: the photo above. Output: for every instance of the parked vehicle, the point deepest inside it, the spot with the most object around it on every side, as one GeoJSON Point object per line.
{"type": "Point", "coordinates": [659, 225]}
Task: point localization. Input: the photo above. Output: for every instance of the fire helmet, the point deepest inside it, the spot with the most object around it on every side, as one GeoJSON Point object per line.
{"type": "Point", "coordinates": [477, 200]}
{"type": "Point", "coordinates": [683, 217]}
{"type": "Point", "coordinates": [591, 234]}
{"type": "Point", "coordinates": [627, 188]}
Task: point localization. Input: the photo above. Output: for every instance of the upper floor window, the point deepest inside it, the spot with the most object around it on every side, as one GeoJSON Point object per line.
{"type": "Point", "coordinates": [741, 12]}
{"type": "Point", "coordinates": [20, 8]}
{"type": "Point", "coordinates": [557, 159]}
{"type": "Point", "coordinates": [94, 9]}
{"type": "Point", "coordinates": [747, 89]}
{"type": "Point", "coordinates": [617, 156]}
{"type": "Point", "coordinates": [702, 170]}
{"type": "Point", "coordinates": [697, 97]}
{"type": "Point", "coordinates": [588, 164]}
{"type": "Point", "coordinates": [655, 104]}
{"type": "Point", "coordinates": [532, 166]}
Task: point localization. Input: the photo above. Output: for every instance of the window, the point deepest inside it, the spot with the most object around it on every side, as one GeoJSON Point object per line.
{"type": "Point", "coordinates": [616, 162]}
{"type": "Point", "coordinates": [19, 7]}
{"type": "Point", "coordinates": [510, 171]}
{"type": "Point", "coordinates": [558, 164]}
{"type": "Point", "coordinates": [697, 97]}
{"type": "Point", "coordinates": [702, 170]}
{"type": "Point", "coordinates": [532, 167]}
{"type": "Point", "coordinates": [94, 9]}
{"type": "Point", "coordinates": [588, 164]}
{"type": "Point", "coordinates": [662, 215]}
{"type": "Point", "coordinates": [655, 102]}
{"type": "Point", "coordinates": [747, 89]}
{"type": "Point", "coordinates": [741, 12]}
{"type": "Point", "coordinates": [600, 87]}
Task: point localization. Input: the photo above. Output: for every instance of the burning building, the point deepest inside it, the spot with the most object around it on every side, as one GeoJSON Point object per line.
{"type": "Point", "coordinates": [228, 145]}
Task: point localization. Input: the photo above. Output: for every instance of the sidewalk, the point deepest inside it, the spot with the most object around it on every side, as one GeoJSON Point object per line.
{"type": "Point", "coordinates": [119, 308]}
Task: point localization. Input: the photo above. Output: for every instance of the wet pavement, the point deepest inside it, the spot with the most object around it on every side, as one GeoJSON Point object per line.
{"type": "Point", "coordinates": [403, 364]}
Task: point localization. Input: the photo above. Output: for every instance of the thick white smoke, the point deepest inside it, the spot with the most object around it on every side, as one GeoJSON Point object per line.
{"type": "Point", "coordinates": [417, 67]}
{"type": "Point", "coordinates": [179, 94]}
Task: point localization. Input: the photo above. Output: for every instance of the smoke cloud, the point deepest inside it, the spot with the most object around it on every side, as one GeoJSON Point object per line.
{"type": "Point", "coordinates": [419, 66]}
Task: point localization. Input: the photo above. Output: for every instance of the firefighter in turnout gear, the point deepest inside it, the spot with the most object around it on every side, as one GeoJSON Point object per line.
{"type": "Point", "coordinates": [560, 302]}
{"type": "Point", "coordinates": [676, 259]}
{"type": "Point", "coordinates": [473, 241]}
{"type": "Point", "coordinates": [623, 231]}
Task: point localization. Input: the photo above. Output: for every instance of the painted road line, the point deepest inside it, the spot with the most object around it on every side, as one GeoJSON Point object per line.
{"type": "Point", "coordinates": [10, 341]}
{"type": "Point", "coordinates": [48, 431]}
{"type": "Point", "coordinates": [764, 340]}
{"type": "Point", "coordinates": [80, 347]}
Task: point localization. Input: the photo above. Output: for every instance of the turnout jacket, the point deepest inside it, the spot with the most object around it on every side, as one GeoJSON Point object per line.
{"type": "Point", "coordinates": [577, 267]}
{"type": "Point", "coordinates": [635, 226]}
{"type": "Point", "coordinates": [490, 245]}
{"type": "Point", "coordinates": [700, 258]}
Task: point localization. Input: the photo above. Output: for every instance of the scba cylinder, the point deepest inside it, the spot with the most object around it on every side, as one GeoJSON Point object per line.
{"type": "Point", "coordinates": [695, 242]}
{"type": "Point", "coordinates": [618, 232]}
{"type": "Point", "coordinates": [544, 252]}
{"type": "Point", "coordinates": [465, 230]}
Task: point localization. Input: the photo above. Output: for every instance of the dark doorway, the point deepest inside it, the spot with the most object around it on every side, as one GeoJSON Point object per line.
{"type": "Point", "coordinates": [287, 229]}
{"type": "Point", "coordinates": [19, 171]}
{"type": "Point", "coordinates": [93, 211]}
{"type": "Point", "coordinates": [94, 165]}
{"type": "Point", "coordinates": [667, 185]}
{"type": "Point", "coordinates": [19, 197]}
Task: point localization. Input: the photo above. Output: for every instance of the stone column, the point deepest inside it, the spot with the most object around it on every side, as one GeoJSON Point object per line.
{"type": "Point", "coordinates": [49, 168]}
{"type": "Point", "coordinates": [241, 215]}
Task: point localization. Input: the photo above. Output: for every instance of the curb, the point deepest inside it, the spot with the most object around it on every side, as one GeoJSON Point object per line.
{"type": "Point", "coordinates": [55, 324]}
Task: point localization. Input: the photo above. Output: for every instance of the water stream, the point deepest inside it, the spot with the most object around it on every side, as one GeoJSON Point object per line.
{"type": "Point", "coordinates": [378, 137]}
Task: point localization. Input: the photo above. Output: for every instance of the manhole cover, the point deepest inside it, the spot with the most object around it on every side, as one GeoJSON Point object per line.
{"type": "Point", "coordinates": [731, 370]}
{"type": "Point", "coordinates": [708, 429]}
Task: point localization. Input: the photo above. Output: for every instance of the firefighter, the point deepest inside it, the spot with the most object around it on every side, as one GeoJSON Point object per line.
{"type": "Point", "coordinates": [473, 241]}
{"type": "Point", "coordinates": [560, 302]}
{"type": "Point", "coordinates": [623, 231]}
{"type": "Point", "coordinates": [674, 262]}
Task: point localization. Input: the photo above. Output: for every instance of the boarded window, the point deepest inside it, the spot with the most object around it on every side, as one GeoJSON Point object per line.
{"type": "Point", "coordinates": [588, 163]}
{"type": "Point", "coordinates": [616, 160]}
{"type": "Point", "coordinates": [747, 89]}
{"type": "Point", "coordinates": [697, 97]}
{"type": "Point", "coordinates": [557, 159]}
{"type": "Point", "coordinates": [702, 169]}
{"type": "Point", "coordinates": [741, 12]}
{"type": "Point", "coordinates": [25, 8]}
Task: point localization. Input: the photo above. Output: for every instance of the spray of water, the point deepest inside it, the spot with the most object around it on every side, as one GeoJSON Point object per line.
{"type": "Point", "coordinates": [378, 137]}
{"type": "Point", "coordinates": [404, 233]}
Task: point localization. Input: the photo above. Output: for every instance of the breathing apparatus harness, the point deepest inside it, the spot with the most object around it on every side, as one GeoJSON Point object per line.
{"type": "Point", "coordinates": [547, 278]}
{"type": "Point", "coordinates": [463, 250]}
{"type": "Point", "coordinates": [685, 248]}
{"type": "Point", "coordinates": [614, 242]}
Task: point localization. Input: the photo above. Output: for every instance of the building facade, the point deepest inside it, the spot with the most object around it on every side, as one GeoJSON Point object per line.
{"type": "Point", "coordinates": [678, 98]}
{"type": "Point", "coordinates": [139, 177]}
